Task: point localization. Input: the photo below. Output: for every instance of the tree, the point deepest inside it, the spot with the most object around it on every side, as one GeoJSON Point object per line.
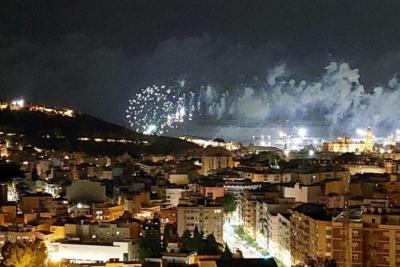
{"type": "Point", "coordinates": [21, 254]}
{"type": "Point", "coordinates": [150, 245]}
{"type": "Point", "coordinates": [187, 242]}
{"type": "Point", "coordinates": [169, 233]}
{"type": "Point", "coordinates": [197, 236]}
{"type": "Point", "coordinates": [263, 222]}
{"type": "Point", "coordinates": [197, 242]}
{"type": "Point", "coordinates": [209, 246]}
{"type": "Point", "coordinates": [227, 254]}
{"type": "Point", "coordinates": [238, 254]}
{"type": "Point", "coordinates": [228, 202]}
{"type": "Point", "coordinates": [265, 228]}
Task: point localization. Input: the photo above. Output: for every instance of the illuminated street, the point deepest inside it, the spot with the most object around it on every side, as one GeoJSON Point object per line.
{"type": "Point", "coordinates": [235, 242]}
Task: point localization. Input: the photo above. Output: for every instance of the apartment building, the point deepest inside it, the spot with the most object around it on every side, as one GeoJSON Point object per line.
{"type": "Point", "coordinates": [311, 176]}
{"type": "Point", "coordinates": [216, 161]}
{"type": "Point", "coordinates": [284, 235]}
{"type": "Point", "coordinates": [267, 222]}
{"type": "Point", "coordinates": [16, 234]}
{"type": "Point", "coordinates": [78, 252]}
{"type": "Point", "coordinates": [247, 209]}
{"type": "Point", "coordinates": [103, 232]}
{"type": "Point", "coordinates": [303, 193]}
{"type": "Point", "coordinates": [371, 236]}
{"type": "Point", "coordinates": [309, 225]}
{"type": "Point", "coordinates": [36, 202]}
{"type": "Point", "coordinates": [372, 241]}
{"type": "Point", "coordinates": [266, 175]}
{"type": "Point", "coordinates": [207, 218]}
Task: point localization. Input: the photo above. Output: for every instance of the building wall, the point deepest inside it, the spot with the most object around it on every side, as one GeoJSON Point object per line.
{"type": "Point", "coordinates": [213, 192]}
{"type": "Point", "coordinates": [368, 243]}
{"type": "Point", "coordinates": [108, 214]}
{"type": "Point", "coordinates": [79, 253]}
{"type": "Point", "coordinates": [310, 178]}
{"type": "Point", "coordinates": [364, 168]}
{"type": "Point", "coordinates": [267, 224]}
{"type": "Point", "coordinates": [264, 177]}
{"type": "Point", "coordinates": [304, 194]}
{"type": "Point", "coordinates": [180, 179]}
{"type": "Point", "coordinates": [249, 216]}
{"type": "Point", "coordinates": [9, 211]}
{"type": "Point", "coordinates": [209, 163]}
{"type": "Point", "coordinates": [336, 187]}
{"type": "Point", "coordinates": [86, 191]}
{"type": "Point", "coordinates": [58, 231]}
{"type": "Point", "coordinates": [14, 236]}
{"type": "Point", "coordinates": [345, 146]}
{"type": "Point", "coordinates": [284, 235]}
{"type": "Point", "coordinates": [173, 195]}
{"type": "Point", "coordinates": [35, 202]}
{"type": "Point", "coordinates": [207, 219]}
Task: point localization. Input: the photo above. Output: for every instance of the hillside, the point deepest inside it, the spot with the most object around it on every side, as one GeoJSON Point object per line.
{"type": "Point", "coordinates": [83, 132]}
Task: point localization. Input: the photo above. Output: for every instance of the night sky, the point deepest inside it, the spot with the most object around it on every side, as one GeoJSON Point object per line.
{"type": "Point", "coordinates": [94, 55]}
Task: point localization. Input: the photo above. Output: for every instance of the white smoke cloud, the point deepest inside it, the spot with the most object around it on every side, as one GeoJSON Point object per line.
{"type": "Point", "coordinates": [275, 73]}
{"type": "Point", "coordinates": [337, 96]}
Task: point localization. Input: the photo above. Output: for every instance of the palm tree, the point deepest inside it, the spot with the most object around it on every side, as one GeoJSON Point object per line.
{"type": "Point", "coordinates": [263, 222]}
{"type": "Point", "coordinates": [265, 227]}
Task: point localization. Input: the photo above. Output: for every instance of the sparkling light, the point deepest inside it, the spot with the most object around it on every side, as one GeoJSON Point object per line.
{"type": "Point", "coordinates": [361, 132]}
{"type": "Point", "coordinates": [157, 109]}
{"type": "Point", "coordinates": [151, 129]}
{"type": "Point", "coordinates": [302, 132]}
{"type": "Point", "coordinates": [19, 103]}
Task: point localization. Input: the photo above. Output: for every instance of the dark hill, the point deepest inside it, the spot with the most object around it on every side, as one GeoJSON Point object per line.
{"type": "Point", "coordinates": [62, 133]}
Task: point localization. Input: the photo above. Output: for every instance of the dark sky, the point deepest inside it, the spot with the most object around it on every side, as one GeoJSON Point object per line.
{"type": "Point", "coordinates": [93, 55]}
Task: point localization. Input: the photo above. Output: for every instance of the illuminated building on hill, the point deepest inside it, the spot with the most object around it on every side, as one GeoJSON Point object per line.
{"type": "Point", "coordinates": [344, 145]}
{"type": "Point", "coordinates": [347, 145]}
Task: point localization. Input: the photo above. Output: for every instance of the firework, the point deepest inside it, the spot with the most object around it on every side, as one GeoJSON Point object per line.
{"type": "Point", "coordinates": [157, 109]}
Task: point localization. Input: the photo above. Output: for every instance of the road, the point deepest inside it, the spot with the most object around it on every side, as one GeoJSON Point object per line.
{"type": "Point", "coordinates": [235, 242]}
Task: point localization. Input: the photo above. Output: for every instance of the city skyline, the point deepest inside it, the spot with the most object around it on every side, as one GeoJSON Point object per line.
{"type": "Point", "coordinates": [215, 133]}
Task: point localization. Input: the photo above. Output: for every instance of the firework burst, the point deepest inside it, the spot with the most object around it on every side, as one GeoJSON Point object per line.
{"type": "Point", "coordinates": [157, 109]}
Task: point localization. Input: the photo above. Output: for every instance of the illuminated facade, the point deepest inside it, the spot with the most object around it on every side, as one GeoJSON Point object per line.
{"type": "Point", "coordinates": [213, 143]}
{"type": "Point", "coordinates": [347, 145]}
{"type": "Point", "coordinates": [284, 238]}
{"type": "Point", "coordinates": [269, 176]}
{"type": "Point", "coordinates": [20, 104]}
{"type": "Point", "coordinates": [207, 219]}
{"type": "Point", "coordinates": [102, 232]}
{"type": "Point", "coordinates": [209, 163]}
{"type": "Point", "coordinates": [309, 225]}
{"type": "Point", "coordinates": [16, 234]}
{"type": "Point", "coordinates": [371, 238]}
{"type": "Point", "coordinates": [77, 252]}
{"type": "Point", "coordinates": [344, 145]}
{"type": "Point", "coordinates": [107, 213]}
{"type": "Point", "coordinates": [368, 141]}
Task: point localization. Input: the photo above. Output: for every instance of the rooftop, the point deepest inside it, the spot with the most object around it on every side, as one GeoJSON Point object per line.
{"type": "Point", "coordinates": [315, 211]}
